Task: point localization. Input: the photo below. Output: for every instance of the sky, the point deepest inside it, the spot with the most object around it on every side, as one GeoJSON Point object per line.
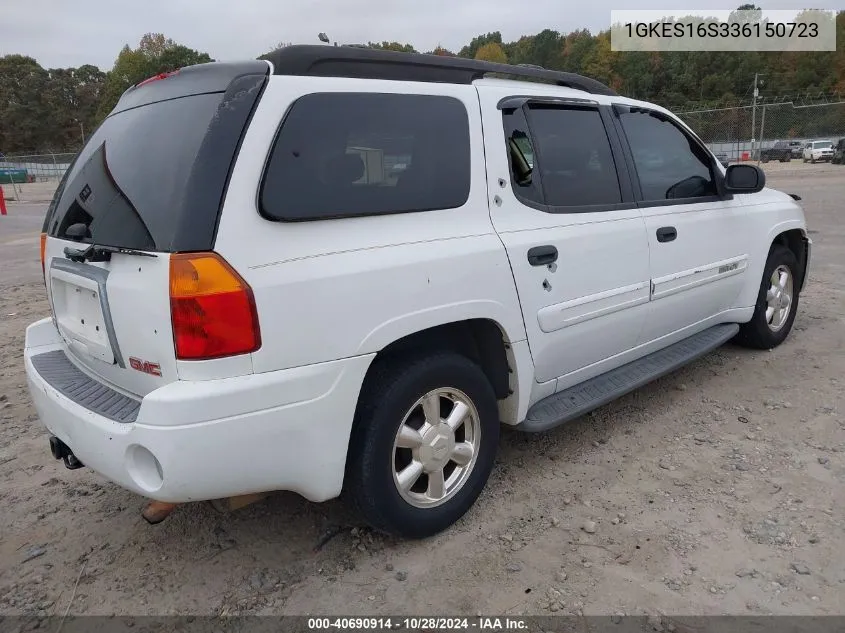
{"type": "Point", "coordinates": [61, 33]}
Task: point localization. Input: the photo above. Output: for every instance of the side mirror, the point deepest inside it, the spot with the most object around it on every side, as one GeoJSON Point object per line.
{"type": "Point", "coordinates": [743, 178]}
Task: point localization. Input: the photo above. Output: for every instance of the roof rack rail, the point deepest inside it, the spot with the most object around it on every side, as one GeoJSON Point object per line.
{"type": "Point", "coordinates": [367, 63]}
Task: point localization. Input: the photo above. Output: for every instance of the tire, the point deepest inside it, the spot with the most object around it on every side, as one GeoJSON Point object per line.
{"type": "Point", "coordinates": [759, 332]}
{"type": "Point", "coordinates": [765, 159]}
{"type": "Point", "coordinates": [390, 397]}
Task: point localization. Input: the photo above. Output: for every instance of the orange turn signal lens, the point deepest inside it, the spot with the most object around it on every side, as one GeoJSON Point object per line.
{"type": "Point", "coordinates": [43, 255]}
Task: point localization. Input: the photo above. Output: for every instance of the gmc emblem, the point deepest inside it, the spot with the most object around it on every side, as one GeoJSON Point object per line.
{"type": "Point", "coordinates": [153, 369]}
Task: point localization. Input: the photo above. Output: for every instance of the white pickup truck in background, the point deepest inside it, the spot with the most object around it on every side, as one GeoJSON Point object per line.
{"type": "Point", "coordinates": [816, 151]}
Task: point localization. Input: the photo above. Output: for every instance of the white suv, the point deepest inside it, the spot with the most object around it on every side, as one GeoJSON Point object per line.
{"type": "Point", "coordinates": [815, 151]}
{"type": "Point", "coordinates": [342, 270]}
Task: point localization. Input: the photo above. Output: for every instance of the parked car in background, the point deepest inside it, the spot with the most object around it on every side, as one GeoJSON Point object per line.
{"type": "Point", "coordinates": [780, 151]}
{"type": "Point", "coordinates": [797, 148]}
{"type": "Point", "coordinates": [816, 151]}
{"type": "Point", "coordinates": [839, 152]}
{"type": "Point", "coordinates": [722, 157]}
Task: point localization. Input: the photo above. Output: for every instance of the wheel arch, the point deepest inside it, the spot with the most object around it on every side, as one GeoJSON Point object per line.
{"type": "Point", "coordinates": [797, 241]}
{"type": "Point", "coordinates": [791, 234]}
{"type": "Point", "coordinates": [485, 341]}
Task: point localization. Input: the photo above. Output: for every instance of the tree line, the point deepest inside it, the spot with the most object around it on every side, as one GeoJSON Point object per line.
{"type": "Point", "coordinates": [52, 110]}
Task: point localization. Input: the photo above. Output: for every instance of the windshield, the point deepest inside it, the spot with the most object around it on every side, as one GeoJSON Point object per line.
{"type": "Point", "coordinates": [128, 184]}
{"type": "Point", "coordinates": [822, 144]}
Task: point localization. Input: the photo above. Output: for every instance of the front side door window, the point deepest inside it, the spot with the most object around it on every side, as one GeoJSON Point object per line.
{"type": "Point", "coordinates": [669, 163]}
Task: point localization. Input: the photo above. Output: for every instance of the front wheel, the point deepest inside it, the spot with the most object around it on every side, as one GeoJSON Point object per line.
{"type": "Point", "coordinates": [423, 443]}
{"type": "Point", "coordinates": [777, 302]}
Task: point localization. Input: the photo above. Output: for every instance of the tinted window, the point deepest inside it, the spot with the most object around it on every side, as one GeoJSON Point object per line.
{"type": "Point", "coordinates": [128, 183]}
{"type": "Point", "coordinates": [350, 154]}
{"type": "Point", "coordinates": [573, 157]}
{"type": "Point", "coordinates": [669, 163]}
{"type": "Point", "coordinates": [520, 149]}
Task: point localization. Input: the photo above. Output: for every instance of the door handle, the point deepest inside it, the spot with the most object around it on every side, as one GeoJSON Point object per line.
{"type": "Point", "coordinates": [542, 255]}
{"type": "Point", "coordinates": [666, 234]}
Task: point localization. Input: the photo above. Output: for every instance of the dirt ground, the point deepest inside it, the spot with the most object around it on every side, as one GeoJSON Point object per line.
{"type": "Point", "coordinates": [715, 490]}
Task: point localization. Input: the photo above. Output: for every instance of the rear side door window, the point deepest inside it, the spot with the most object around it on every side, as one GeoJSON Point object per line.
{"type": "Point", "coordinates": [561, 158]}
{"type": "Point", "coordinates": [670, 164]}
{"type": "Point", "coordinates": [343, 155]}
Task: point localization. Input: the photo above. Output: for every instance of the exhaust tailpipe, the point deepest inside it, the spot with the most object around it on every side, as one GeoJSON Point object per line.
{"type": "Point", "coordinates": [62, 451]}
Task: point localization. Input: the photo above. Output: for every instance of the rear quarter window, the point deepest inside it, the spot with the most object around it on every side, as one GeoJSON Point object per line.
{"type": "Point", "coordinates": [356, 154]}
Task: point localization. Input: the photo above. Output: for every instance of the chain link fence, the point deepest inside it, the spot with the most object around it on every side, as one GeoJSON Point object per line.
{"type": "Point", "coordinates": [27, 168]}
{"type": "Point", "coordinates": [740, 133]}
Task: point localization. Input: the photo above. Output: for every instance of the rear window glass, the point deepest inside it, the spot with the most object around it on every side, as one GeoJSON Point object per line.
{"type": "Point", "coordinates": [354, 154]}
{"type": "Point", "coordinates": [128, 184]}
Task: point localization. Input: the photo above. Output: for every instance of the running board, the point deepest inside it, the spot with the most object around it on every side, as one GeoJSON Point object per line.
{"type": "Point", "coordinates": [574, 402]}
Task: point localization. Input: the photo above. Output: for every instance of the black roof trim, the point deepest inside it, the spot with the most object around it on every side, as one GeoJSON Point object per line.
{"type": "Point", "coordinates": [362, 63]}
{"type": "Point", "coordinates": [191, 80]}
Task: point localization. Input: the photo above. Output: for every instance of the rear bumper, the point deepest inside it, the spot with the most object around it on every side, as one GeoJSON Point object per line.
{"type": "Point", "coordinates": [191, 441]}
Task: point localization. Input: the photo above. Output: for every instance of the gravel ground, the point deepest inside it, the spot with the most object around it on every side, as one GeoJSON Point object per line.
{"type": "Point", "coordinates": [710, 491]}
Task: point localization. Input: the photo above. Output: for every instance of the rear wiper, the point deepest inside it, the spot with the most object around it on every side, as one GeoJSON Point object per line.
{"type": "Point", "coordinates": [95, 253]}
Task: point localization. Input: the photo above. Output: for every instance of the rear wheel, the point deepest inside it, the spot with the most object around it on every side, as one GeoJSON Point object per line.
{"type": "Point", "coordinates": [777, 302]}
{"type": "Point", "coordinates": [423, 443]}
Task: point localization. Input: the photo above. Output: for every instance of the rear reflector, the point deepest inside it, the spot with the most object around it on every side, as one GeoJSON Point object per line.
{"type": "Point", "coordinates": [211, 307]}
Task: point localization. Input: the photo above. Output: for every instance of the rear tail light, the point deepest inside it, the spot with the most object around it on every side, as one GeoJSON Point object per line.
{"type": "Point", "coordinates": [43, 255]}
{"type": "Point", "coordinates": [212, 308]}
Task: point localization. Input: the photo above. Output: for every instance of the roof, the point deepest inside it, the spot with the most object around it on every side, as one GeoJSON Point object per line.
{"type": "Point", "coordinates": [366, 63]}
